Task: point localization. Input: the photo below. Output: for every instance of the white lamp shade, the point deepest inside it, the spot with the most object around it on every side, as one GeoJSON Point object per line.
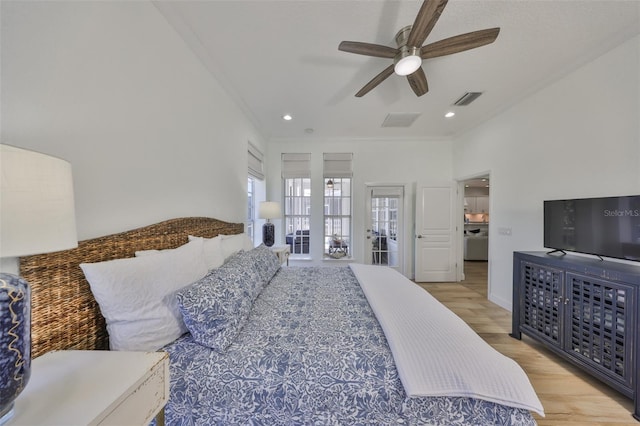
{"type": "Point", "coordinates": [36, 203]}
{"type": "Point", "coordinates": [269, 210]}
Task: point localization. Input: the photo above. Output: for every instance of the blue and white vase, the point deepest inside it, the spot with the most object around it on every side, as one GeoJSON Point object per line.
{"type": "Point", "coordinates": [15, 341]}
{"type": "Point", "coordinates": [268, 234]}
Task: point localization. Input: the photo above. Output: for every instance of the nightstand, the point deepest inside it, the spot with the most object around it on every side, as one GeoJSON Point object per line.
{"type": "Point", "coordinates": [282, 252]}
{"type": "Point", "coordinates": [94, 387]}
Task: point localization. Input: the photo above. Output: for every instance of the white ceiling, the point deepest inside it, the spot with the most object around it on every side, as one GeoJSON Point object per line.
{"type": "Point", "coordinates": [277, 57]}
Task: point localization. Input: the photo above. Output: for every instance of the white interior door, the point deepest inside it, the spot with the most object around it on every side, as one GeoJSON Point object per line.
{"type": "Point", "coordinates": [384, 231]}
{"type": "Point", "coordinates": [435, 236]}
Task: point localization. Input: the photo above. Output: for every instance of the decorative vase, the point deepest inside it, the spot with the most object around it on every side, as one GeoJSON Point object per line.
{"type": "Point", "coordinates": [15, 341]}
{"type": "Point", "coordinates": [268, 234]}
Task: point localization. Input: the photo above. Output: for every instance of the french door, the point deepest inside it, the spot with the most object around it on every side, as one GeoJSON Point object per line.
{"type": "Point", "coordinates": [384, 230]}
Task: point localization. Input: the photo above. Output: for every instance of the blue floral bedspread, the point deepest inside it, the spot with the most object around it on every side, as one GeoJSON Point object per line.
{"type": "Point", "coordinates": [312, 353]}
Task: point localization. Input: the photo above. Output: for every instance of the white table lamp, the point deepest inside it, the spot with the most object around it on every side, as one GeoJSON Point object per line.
{"type": "Point", "coordinates": [36, 216]}
{"type": "Point", "coordinates": [269, 210]}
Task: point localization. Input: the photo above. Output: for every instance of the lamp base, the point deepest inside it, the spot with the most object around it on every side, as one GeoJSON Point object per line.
{"type": "Point", "coordinates": [268, 234]}
{"type": "Point", "coordinates": [15, 341]}
{"type": "Point", "coordinates": [6, 413]}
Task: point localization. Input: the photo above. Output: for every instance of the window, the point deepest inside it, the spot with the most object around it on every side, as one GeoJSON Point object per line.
{"type": "Point", "coordinates": [256, 172]}
{"type": "Point", "coordinates": [251, 207]}
{"type": "Point", "coordinates": [297, 202]}
{"type": "Point", "coordinates": [337, 217]}
{"type": "Point", "coordinates": [337, 204]}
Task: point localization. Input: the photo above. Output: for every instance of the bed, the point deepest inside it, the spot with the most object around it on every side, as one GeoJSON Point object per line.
{"type": "Point", "coordinates": [312, 347]}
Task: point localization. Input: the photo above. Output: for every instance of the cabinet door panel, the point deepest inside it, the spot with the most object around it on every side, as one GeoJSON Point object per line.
{"type": "Point", "coordinates": [541, 301]}
{"type": "Point", "coordinates": [482, 205]}
{"type": "Point", "coordinates": [469, 204]}
{"type": "Point", "coordinates": [599, 323]}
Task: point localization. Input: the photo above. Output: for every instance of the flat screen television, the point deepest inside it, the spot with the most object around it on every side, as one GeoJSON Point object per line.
{"type": "Point", "coordinates": [606, 227]}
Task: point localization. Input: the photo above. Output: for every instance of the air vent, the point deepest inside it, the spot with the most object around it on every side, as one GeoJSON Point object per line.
{"type": "Point", "coordinates": [400, 119]}
{"type": "Point", "coordinates": [467, 98]}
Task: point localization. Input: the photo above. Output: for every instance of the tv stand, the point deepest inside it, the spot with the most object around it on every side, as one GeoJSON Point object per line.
{"type": "Point", "coordinates": [586, 311]}
{"type": "Point", "coordinates": [562, 252]}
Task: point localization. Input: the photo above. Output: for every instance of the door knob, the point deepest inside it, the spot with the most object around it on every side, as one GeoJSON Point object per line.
{"type": "Point", "coordinates": [418, 236]}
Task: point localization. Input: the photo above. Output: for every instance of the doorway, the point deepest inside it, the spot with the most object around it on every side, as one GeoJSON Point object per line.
{"type": "Point", "coordinates": [475, 238]}
{"type": "Point", "coordinates": [384, 223]}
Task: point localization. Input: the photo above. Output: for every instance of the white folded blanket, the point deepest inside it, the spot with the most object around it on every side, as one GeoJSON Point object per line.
{"type": "Point", "coordinates": [436, 352]}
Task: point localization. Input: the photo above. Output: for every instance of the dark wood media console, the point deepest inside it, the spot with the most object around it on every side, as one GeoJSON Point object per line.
{"type": "Point", "coordinates": [585, 310]}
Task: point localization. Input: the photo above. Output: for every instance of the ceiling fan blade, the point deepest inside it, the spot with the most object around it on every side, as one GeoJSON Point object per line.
{"type": "Point", "coordinates": [375, 81]}
{"type": "Point", "coordinates": [418, 82]}
{"type": "Point", "coordinates": [368, 49]}
{"type": "Point", "coordinates": [426, 19]}
{"type": "Point", "coordinates": [459, 43]}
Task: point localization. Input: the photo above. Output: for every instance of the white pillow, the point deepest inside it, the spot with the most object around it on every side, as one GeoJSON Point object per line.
{"type": "Point", "coordinates": [137, 295]}
{"type": "Point", "coordinates": [141, 253]}
{"type": "Point", "coordinates": [231, 244]}
{"type": "Point", "coordinates": [213, 255]}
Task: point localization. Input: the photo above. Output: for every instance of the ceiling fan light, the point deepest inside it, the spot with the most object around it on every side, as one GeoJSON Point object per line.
{"type": "Point", "coordinates": [407, 61]}
{"type": "Point", "coordinates": [407, 65]}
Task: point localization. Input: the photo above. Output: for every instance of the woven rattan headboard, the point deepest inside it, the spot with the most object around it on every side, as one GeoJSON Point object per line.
{"type": "Point", "coordinates": [64, 314]}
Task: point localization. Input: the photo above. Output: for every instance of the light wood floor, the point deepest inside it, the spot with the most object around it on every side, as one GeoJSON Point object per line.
{"type": "Point", "coordinates": [569, 397]}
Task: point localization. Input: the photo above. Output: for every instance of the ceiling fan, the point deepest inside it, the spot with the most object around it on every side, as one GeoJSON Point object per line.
{"type": "Point", "coordinates": [408, 56]}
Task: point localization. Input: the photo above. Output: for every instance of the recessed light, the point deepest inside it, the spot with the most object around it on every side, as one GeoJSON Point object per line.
{"type": "Point", "coordinates": [287, 117]}
{"type": "Point", "coordinates": [450, 114]}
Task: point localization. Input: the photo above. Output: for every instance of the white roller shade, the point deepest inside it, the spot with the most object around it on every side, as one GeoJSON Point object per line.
{"type": "Point", "coordinates": [296, 165]}
{"type": "Point", "coordinates": [256, 165]}
{"type": "Point", "coordinates": [338, 165]}
{"type": "Point", "coordinates": [387, 192]}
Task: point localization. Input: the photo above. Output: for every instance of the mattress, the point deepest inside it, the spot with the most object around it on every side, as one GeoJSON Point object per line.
{"type": "Point", "coordinates": [312, 352]}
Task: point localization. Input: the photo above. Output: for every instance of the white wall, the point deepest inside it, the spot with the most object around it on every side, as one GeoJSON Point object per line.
{"type": "Point", "coordinates": [110, 87]}
{"type": "Point", "coordinates": [403, 162]}
{"type": "Point", "coordinates": [579, 137]}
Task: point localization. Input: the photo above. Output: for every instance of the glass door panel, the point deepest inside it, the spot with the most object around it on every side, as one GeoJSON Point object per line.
{"type": "Point", "coordinates": [384, 229]}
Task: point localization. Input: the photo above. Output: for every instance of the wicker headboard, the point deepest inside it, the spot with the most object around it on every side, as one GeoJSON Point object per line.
{"type": "Point", "coordinates": [64, 314]}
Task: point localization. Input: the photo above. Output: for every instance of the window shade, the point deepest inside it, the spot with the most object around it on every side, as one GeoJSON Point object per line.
{"type": "Point", "coordinates": [387, 192]}
{"type": "Point", "coordinates": [338, 165]}
{"type": "Point", "coordinates": [296, 165]}
{"type": "Point", "coordinates": [256, 165]}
